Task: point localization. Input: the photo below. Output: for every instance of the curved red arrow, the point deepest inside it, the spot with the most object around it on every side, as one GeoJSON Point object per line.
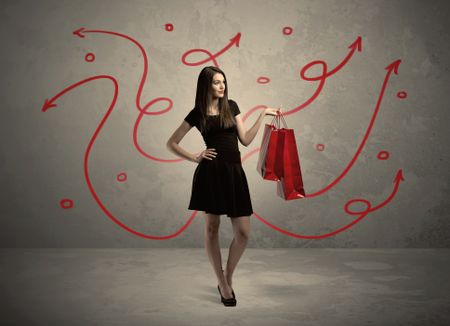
{"type": "Point", "coordinates": [390, 68]}
{"type": "Point", "coordinates": [142, 110]}
{"type": "Point", "coordinates": [393, 67]}
{"type": "Point", "coordinates": [49, 104]}
{"type": "Point", "coordinates": [355, 46]}
{"type": "Point", "coordinates": [398, 179]}
{"type": "Point", "coordinates": [211, 57]}
{"type": "Point", "coordinates": [322, 77]}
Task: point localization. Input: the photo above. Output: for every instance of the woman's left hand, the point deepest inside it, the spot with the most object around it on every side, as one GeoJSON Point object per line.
{"type": "Point", "coordinates": [272, 111]}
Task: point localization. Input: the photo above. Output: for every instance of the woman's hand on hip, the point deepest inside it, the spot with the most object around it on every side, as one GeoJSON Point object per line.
{"type": "Point", "coordinates": [208, 153]}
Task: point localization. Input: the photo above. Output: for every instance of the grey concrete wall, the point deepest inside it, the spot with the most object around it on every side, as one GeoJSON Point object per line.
{"type": "Point", "coordinates": [42, 156]}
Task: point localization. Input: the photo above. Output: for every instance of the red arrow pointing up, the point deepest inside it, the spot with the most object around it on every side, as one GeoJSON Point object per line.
{"type": "Point", "coordinates": [399, 177]}
{"type": "Point", "coordinates": [393, 66]}
{"type": "Point", "coordinates": [357, 45]}
{"type": "Point", "coordinates": [236, 39]}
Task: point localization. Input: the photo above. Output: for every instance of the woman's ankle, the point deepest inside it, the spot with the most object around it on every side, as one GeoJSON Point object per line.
{"type": "Point", "coordinates": [224, 284]}
{"type": "Point", "coordinates": [227, 278]}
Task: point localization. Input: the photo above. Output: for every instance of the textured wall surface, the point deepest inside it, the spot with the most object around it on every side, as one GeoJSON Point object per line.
{"type": "Point", "coordinates": [357, 110]}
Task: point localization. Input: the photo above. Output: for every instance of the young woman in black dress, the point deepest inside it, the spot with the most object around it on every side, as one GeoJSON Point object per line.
{"type": "Point", "coordinates": [219, 184]}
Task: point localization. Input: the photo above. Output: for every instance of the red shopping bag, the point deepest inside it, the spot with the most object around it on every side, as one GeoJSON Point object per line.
{"type": "Point", "coordinates": [287, 166]}
{"type": "Point", "coordinates": [268, 151]}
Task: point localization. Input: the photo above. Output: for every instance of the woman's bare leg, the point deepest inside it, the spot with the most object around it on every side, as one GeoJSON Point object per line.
{"type": "Point", "coordinates": [212, 246]}
{"type": "Point", "coordinates": [241, 230]}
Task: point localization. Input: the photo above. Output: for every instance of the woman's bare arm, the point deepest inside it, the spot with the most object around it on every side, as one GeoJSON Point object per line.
{"type": "Point", "coordinates": [175, 139]}
{"type": "Point", "coordinates": [246, 137]}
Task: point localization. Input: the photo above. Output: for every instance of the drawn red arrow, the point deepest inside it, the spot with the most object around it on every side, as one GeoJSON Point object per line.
{"type": "Point", "coordinates": [142, 109]}
{"type": "Point", "coordinates": [393, 67]}
{"type": "Point", "coordinates": [211, 57]}
{"type": "Point", "coordinates": [363, 214]}
{"type": "Point", "coordinates": [355, 46]}
{"type": "Point", "coordinates": [49, 104]}
{"type": "Point", "coordinates": [321, 77]}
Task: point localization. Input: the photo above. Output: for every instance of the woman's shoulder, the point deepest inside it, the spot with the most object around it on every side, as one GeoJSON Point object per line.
{"type": "Point", "coordinates": [193, 116]}
{"type": "Point", "coordinates": [234, 107]}
{"type": "Point", "coordinates": [195, 111]}
{"type": "Point", "coordinates": [231, 102]}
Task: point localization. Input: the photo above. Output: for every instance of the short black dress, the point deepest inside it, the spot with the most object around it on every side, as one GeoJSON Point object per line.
{"type": "Point", "coordinates": [219, 186]}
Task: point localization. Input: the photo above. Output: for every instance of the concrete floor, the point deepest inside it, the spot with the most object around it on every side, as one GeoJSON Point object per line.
{"type": "Point", "coordinates": [177, 287]}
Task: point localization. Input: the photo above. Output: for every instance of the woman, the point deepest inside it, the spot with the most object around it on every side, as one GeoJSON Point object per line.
{"type": "Point", "coordinates": [219, 184]}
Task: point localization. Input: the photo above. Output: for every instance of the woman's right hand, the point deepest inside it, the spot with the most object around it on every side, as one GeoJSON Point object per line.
{"type": "Point", "coordinates": [208, 153]}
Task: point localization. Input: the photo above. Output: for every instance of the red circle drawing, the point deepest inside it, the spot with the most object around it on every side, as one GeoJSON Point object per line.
{"type": "Point", "coordinates": [169, 27]}
{"type": "Point", "coordinates": [320, 147]}
{"type": "Point", "coordinates": [66, 203]}
{"type": "Point", "coordinates": [383, 155]}
{"type": "Point", "coordinates": [89, 57]}
{"type": "Point", "coordinates": [402, 94]}
{"type": "Point", "coordinates": [263, 80]}
{"type": "Point", "coordinates": [360, 200]}
{"type": "Point", "coordinates": [287, 30]}
{"type": "Point", "coordinates": [122, 177]}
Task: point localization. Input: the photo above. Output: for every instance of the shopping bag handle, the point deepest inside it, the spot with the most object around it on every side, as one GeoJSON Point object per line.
{"type": "Point", "coordinates": [277, 119]}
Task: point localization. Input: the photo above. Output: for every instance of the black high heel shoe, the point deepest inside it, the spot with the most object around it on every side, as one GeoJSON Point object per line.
{"type": "Point", "coordinates": [227, 302]}
{"type": "Point", "coordinates": [232, 291]}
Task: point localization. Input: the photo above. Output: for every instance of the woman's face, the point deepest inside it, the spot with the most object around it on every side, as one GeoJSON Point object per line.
{"type": "Point", "coordinates": [218, 85]}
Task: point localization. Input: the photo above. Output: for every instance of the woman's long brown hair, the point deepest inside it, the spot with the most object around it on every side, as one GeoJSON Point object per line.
{"type": "Point", "coordinates": [203, 98]}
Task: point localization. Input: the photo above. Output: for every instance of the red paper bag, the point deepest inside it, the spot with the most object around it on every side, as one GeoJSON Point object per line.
{"type": "Point", "coordinates": [288, 166]}
{"type": "Point", "coordinates": [267, 153]}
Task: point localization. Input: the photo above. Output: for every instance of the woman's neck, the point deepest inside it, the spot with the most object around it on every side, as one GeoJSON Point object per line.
{"type": "Point", "coordinates": [213, 106]}
{"type": "Point", "coordinates": [214, 103]}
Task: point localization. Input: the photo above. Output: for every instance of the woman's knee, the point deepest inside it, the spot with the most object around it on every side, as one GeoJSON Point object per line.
{"type": "Point", "coordinates": [241, 228]}
{"type": "Point", "coordinates": [242, 234]}
{"type": "Point", "coordinates": [212, 223]}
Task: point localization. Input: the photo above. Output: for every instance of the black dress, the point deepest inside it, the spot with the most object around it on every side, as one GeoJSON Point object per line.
{"type": "Point", "coordinates": [219, 186]}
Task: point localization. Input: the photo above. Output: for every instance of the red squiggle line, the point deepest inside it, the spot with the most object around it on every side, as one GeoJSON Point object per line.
{"type": "Point", "coordinates": [305, 104]}
{"type": "Point", "coordinates": [143, 110]}
{"type": "Point", "coordinates": [355, 46]}
{"type": "Point", "coordinates": [322, 79]}
{"type": "Point", "coordinates": [49, 104]}
{"type": "Point", "coordinates": [211, 57]}
{"type": "Point", "coordinates": [393, 67]}
{"type": "Point", "coordinates": [369, 209]}
{"type": "Point", "coordinates": [390, 68]}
